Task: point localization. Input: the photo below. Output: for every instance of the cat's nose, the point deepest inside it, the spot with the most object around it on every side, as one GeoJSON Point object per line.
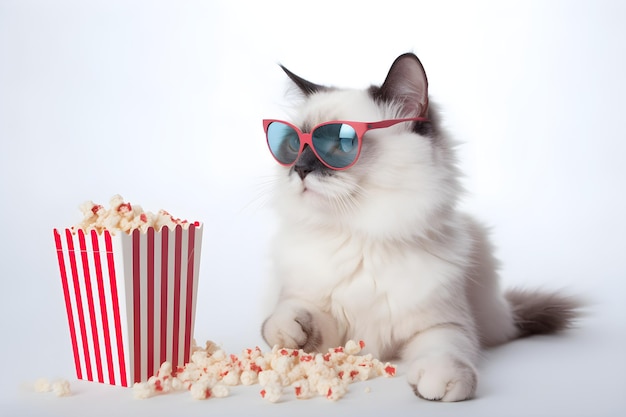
{"type": "Point", "coordinates": [303, 170]}
{"type": "Point", "coordinates": [307, 163]}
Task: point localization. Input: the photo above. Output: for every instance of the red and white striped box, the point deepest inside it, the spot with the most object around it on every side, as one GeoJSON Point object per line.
{"type": "Point", "coordinates": [130, 299]}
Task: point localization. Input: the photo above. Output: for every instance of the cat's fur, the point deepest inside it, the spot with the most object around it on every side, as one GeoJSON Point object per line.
{"type": "Point", "coordinates": [380, 253]}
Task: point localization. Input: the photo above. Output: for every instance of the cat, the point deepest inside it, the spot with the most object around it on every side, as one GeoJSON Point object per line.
{"type": "Point", "coordinates": [380, 252]}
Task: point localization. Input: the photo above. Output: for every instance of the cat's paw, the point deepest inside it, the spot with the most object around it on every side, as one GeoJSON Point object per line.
{"type": "Point", "coordinates": [442, 378]}
{"type": "Point", "coordinates": [295, 331]}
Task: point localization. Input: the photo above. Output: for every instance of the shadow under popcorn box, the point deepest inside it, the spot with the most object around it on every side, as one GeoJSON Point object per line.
{"type": "Point", "coordinates": [130, 299]}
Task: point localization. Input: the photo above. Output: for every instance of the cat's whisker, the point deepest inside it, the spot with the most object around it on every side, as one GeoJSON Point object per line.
{"type": "Point", "coordinates": [337, 205]}
{"type": "Point", "coordinates": [348, 203]}
{"type": "Point", "coordinates": [359, 192]}
{"type": "Point", "coordinates": [264, 190]}
{"type": "Point", "coordinates": [345, 201]}
{"type": "Point", "coordinates": [344, 204]}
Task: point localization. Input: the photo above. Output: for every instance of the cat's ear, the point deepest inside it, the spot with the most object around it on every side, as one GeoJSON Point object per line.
{"type": "Point", "coordinates": [406, 83]}
{"type": "Point", "coordinates": [305, 86]}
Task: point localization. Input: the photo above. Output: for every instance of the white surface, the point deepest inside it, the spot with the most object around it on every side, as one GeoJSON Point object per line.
{"type": "Point", "coordinates": [162, 102]}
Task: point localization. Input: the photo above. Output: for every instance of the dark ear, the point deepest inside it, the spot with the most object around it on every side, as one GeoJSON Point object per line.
{"type": "Point", "coordinates": [305, 86]}
{"type": "Point", "coordinates": [406, 83]}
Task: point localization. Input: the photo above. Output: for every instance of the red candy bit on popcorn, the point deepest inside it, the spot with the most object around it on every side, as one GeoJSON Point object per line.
{"type": "Point", "coordinates": [200, 390]}
{"type": "Point", "coordinates": [302, 390]}
{"type": "Point", "coordinates": [390, 370]}
{"type": "Point", "coordinates": [124, 208]}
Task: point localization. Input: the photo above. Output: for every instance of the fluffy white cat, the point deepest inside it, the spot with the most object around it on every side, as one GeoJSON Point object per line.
{"type": "Point", "coordinates": [379, 252]}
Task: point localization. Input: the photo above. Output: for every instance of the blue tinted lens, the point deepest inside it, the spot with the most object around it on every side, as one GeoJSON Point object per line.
{"type": "Point", "coordinates": [283, 142]}
{"type": "Point", "coordinates": [336, 143]}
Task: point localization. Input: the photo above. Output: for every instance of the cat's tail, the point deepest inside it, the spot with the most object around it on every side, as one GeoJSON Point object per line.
{"type": "Point", "coordinates": [543, 312]}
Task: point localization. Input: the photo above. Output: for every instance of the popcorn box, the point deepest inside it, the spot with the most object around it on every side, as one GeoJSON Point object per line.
{"type": "Point", "coordinates": [130, 299]}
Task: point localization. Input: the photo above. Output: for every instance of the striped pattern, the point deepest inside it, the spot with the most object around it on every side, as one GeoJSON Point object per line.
{"type": "Point", "coordinates": [130, 300]}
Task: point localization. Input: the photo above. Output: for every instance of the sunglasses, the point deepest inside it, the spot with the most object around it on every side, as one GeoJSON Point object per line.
{"type": "Point", "coordinates": [337, 144]}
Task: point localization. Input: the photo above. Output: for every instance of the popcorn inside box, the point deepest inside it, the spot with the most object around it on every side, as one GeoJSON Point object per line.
{"type": "Point", "coordinates": [130, 281]}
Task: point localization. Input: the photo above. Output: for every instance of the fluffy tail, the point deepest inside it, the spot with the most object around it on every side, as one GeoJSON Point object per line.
{"type": "Point", "coordinates": [539, 312]}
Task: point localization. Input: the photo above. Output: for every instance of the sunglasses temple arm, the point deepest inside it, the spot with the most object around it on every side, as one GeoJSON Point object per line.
{"type": "Point", "coordinates": [387, 123]}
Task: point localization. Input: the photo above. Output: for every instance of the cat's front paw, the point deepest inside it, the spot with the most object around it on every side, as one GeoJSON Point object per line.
{"type": "Point", "coordinates": [442, 378]}
{"type": "Point", "coordinates": [294, 330]}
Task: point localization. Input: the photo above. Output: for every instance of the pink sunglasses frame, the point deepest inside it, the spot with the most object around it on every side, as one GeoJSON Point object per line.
{"type": "Point", "coordinates": [359, 127]}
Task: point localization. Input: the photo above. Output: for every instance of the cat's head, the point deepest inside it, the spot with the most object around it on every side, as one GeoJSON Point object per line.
{"type": "Point", "coordinates": [405, 175]}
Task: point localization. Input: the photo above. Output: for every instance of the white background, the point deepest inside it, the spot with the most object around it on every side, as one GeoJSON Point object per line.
{"type": "Point", "coordinates": [162, 102]}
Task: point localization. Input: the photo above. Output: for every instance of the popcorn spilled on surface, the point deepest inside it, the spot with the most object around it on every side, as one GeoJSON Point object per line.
{"type": "Point", "coordinates": [61, 387]}
{"type": "Point", "coordinates": [211, 372]}
{"type": "Point", "coordinates": [122, 216]}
